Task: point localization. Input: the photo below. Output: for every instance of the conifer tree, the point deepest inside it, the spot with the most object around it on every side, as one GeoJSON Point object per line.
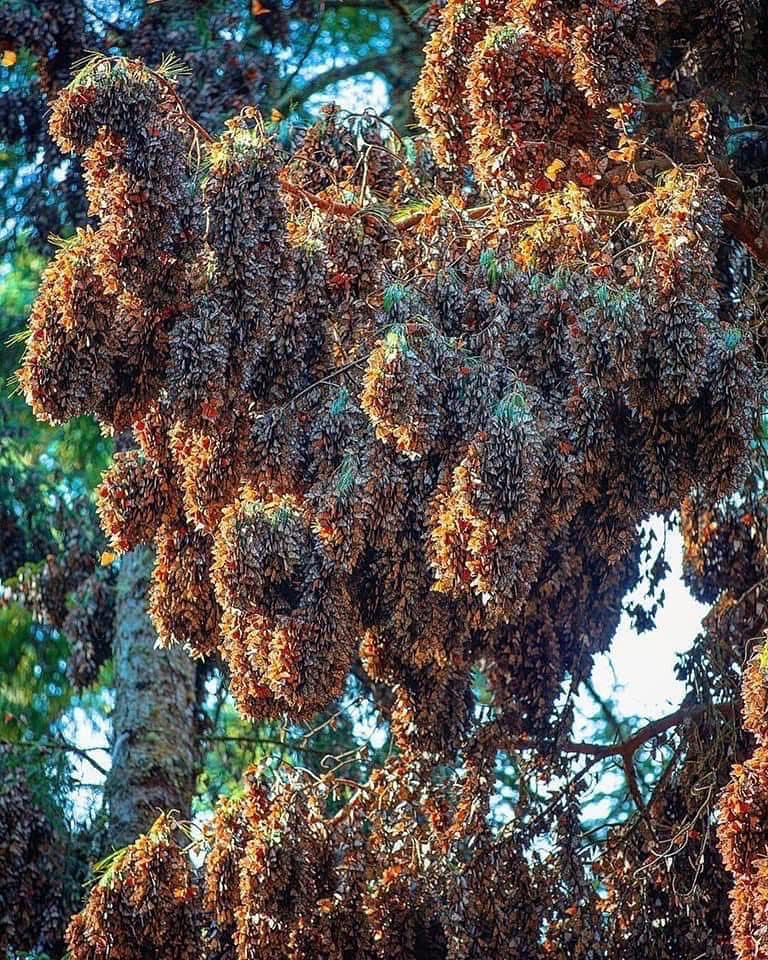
{"type": "Point", "coordinates": [405, 403]}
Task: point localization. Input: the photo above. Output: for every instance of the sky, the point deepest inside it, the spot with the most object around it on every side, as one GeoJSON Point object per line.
{"type": "Point", "coordinates": [639, 669]}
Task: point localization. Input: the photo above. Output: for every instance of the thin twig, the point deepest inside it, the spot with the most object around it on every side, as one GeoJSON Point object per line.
{"type": "Point", "coordinates": [302, 59]}
{"type": "Point", "coordinates": [264, 741]}
{"type": "Point", "coordinates": [407, 17]}
{"type": "Point", "coordinates": [63, 745]}
{"type": "Point", "coordinates": [102, 19]}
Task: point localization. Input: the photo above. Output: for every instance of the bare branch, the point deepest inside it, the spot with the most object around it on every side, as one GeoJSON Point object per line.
{"type": "Point", "coordinates": [63, 745]}
{"type": "Point", "coordinates": [627, 748]}
{"type": "Point", "coordinates": [371, 64]}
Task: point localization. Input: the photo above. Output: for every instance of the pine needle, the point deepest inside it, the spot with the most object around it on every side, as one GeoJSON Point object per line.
{"type": "Point", "coordinates": [173, 68]}
{"type": "Point", "coordinates": [409, 209]}
{"type": "Point", "coordinates": [21, 336]}
{"type": "Point", "coordinates": [13, 386]}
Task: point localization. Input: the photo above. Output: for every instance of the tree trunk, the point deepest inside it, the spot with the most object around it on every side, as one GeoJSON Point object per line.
{"type": "Point", "coordinates": [154, 749]}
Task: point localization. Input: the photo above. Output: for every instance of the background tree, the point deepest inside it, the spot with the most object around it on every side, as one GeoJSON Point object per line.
{"type": "Point", "coordinates": [452, 392]}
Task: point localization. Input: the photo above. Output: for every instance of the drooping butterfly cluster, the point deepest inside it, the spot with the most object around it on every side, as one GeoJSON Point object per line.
{"type": "Point", "coordinates": [440, 470]}
{"type": "Point", "coordinates": [143, 905]}
{"type": "Point", "coordinates": [228, 56]}
{"type": "Point", "coordinates": [33, 900]}
{"type": "Point", "coordinates": [408, 402]}
{"type": "Point", "coordinates": [405, 869]}
{"type": "Point", "coordinates": [741, 830]}
{"type": "Point", "coordinates": [726, 562]}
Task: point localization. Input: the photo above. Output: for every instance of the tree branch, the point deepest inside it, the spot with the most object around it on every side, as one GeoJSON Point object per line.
{"type": "Point", "coordinates": [266, 741]}
{"type": "Point", "coordinates": [369, 64]}
{"type": "Point", "coordinates": [62, 745]}
{"type": "Point", "coordinates": [402, 11]}
{"type": "Point", "coordinates": [626, 749]}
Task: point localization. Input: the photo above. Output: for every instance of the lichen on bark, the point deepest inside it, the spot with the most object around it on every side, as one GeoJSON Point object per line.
{"type": "Point", "coordinates": [154, 751]}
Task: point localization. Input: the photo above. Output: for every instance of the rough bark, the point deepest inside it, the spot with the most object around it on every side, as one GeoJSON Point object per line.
{"type": "Point", "coordinates": [154, 751]}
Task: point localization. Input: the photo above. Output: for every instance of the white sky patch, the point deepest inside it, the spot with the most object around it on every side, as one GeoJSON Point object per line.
{"type": "Point", "coordinates": [91, 735]}
{"type": "Point", "coordinates": [367, 91]}
{"type": "Point", "coordinates": [639, 669]}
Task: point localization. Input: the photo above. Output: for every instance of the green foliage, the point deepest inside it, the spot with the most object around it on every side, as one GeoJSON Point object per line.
{"type": "Point", "coordinates": [393, 294]}
{"type": "Point", "coordinates": [34, 691]}
{"type": "Point", "coordinates": [513, 406]}
{"type": "Point", "coordinates": [19, 280]}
